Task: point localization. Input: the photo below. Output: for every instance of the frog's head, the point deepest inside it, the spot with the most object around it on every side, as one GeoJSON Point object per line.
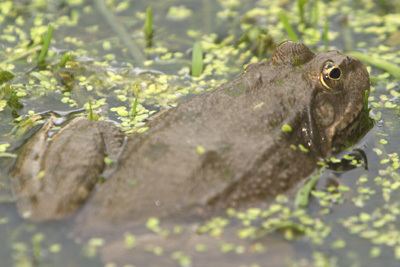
{"type": "Point", "coordinates": [339, 85]}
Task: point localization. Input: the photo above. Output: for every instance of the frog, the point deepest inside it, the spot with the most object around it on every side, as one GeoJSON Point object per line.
{"type": "Point", "coordinates": [243, 143]}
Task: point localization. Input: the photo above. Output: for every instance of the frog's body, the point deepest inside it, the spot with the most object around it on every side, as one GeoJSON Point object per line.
{"type": "Point", "coordinates": [249, 139]}
{"type": "Point", "coordinates": [221, 148]}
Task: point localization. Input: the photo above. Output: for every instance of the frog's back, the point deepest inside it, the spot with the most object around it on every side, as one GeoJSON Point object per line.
{"type": "Point", "coordinates": [192, 154]}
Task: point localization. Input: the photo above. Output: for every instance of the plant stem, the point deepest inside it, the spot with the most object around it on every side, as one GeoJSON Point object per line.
{"type": "Point", "coordinates": [197, 60]}
{"type": "Point", "coordinates": [46, 44]}
{"type": "Point", "coordinates": [289, 29]}
{"type": "Point", "coordinates": [148, 27]}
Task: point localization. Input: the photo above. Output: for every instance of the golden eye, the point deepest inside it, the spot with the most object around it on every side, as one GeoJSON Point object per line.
{"type": "Point", "coordinates": [330, 71]}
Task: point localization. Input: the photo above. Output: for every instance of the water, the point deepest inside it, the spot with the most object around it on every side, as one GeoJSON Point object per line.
{"type": "Point", "coordinates": [357, 225]}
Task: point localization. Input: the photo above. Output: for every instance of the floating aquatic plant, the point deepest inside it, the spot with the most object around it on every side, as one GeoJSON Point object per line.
{"type": "Point", "coordinates": [9, 96]}
{"type": "Point", "coordinates": [4, 153]}
{"type": "Point", "coordinates": [5, 76]}
{"type": "Point", "coordinates": [64, 59]}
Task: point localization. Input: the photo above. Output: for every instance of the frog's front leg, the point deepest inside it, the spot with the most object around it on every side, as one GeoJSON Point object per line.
{"type": "Point", "coordinates": [54, 175]}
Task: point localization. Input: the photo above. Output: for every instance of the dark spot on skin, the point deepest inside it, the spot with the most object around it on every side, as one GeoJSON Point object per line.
{"type": "Point", "coordinates": [190, 115]}
{"type": "Point", "coordinates": [292, 100]}
{"type": "Point", "coordinates": [279, 82]}
{"type": "Point", "coordinates": [213, 163]}
{"type": "Point", "coordinates": [33, 199]}
{"type": "Point", "coordinates": [156, 151]}
{"type": "Point", "coordinates": [257, 84]}
{"type": "Point", "coordinates": [237, 90]}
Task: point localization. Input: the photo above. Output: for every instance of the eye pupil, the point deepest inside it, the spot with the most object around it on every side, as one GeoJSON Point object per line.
{"type": "Point", "coordinates": [330, 73]}
{"type": "Point", "coordinates": [335, 73]}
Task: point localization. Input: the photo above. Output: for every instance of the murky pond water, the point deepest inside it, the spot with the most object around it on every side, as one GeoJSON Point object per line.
{"type": "Point", "coordinates": [98, 61]}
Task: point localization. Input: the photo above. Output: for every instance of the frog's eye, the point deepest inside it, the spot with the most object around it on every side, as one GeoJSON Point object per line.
{"type": "Point", "coordinates": [330, 72]}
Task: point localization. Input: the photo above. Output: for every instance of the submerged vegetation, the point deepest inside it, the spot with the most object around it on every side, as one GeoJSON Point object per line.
{"type": "Point", "coordinates": [127, 61]}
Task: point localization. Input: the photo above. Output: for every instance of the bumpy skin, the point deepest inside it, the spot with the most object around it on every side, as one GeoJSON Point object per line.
{"type": "Point", "coordinates": [247, 157]}
{"type": "Point", "coordinates": [53, 177]}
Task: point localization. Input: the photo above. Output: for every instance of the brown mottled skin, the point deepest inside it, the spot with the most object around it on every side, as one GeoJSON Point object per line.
{"type": "Point", "coordinates": [247, 157]}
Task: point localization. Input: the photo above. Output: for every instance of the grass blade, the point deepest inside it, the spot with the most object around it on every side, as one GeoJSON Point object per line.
{"type": "Point", "coordinates": [148, 27]}
{"type": "Point", "coordinates": [301, 8]}
{"type": "Point", "coordinates": [289, 29]}
{"type": "Point", "coordinates": [46, 44]}
{"type": "Point", "coordinates": [197, 60]}
{"type": "Point", "coordinates": [134, 107]}
{"type": "Point", "coordinates": [315, 13]}
{"type": "Point", "coordinates": [92, 116]}
{"type": "Point", "coordinates": [325, 34]}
